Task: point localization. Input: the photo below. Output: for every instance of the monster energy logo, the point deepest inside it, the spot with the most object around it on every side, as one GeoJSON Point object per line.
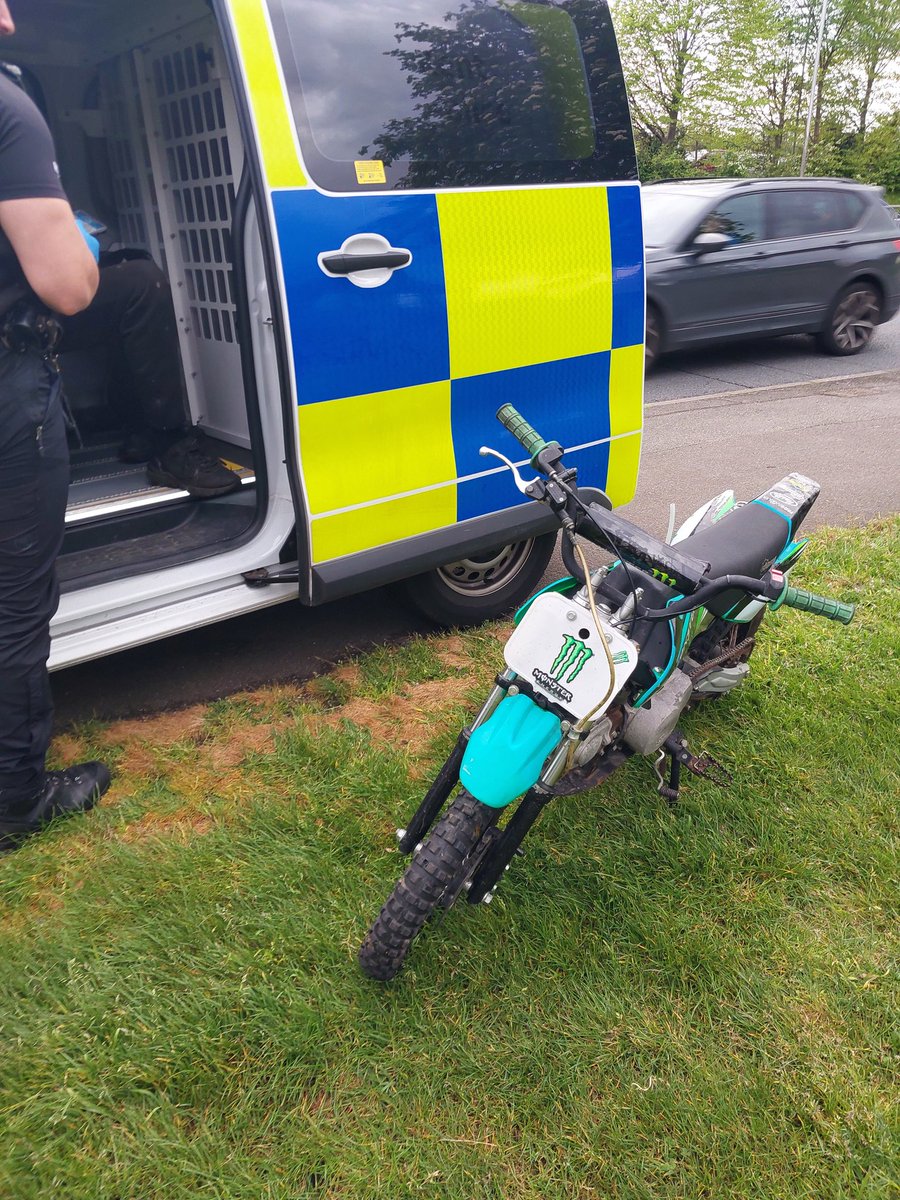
{"type": "Point", "coordinates": [662, 576]}
{"type": "Point", "coordinates": [572, 658]}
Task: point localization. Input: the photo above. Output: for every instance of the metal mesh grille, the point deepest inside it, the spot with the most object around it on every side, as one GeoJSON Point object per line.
{"type": "Point", "coordinates": [193, 136]}
{"type": "Point", "coordinates": [130, 159]}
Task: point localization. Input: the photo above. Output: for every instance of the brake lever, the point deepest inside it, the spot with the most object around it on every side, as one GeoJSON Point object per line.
{"type": "Point", "coordinates": [530, 489]}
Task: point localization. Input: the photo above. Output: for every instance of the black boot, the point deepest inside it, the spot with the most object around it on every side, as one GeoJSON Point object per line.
{"type": "Point", "coordinates": [74, 790]}
{"type": "Point", "coordinates": [189, 466]}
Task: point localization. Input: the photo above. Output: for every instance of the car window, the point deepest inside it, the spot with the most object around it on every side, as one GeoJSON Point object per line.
{"type": "Point", "coordinates": [742, 218]}
{"type": "Point", "coordinates": [454, 94]}
{"type": "Point", "coordinates": [667, 215]}
{"type": "Point", "coordinates": [807, 212]}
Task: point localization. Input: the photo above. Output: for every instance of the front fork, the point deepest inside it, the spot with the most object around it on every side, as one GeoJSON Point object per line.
{"type": "Point", "coordinates": [448, 776]}
{"type": "Point", "coordinates": [505, 844]}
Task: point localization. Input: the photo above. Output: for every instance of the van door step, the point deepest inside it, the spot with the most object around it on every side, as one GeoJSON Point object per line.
{"type": "Point", "coordinates": [103, 486]}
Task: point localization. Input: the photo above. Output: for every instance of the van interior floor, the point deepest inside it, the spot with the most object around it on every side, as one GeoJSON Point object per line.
{"type": "Point", "coordinates": [116, 518]}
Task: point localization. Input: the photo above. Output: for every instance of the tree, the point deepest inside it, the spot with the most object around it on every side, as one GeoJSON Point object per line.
{"type": "Point", "coordinates": [687, 63]}
{"type": "Point", "coordinates": [880, 159]}
{"type": "Point", "coordinates": [874, 32]}
{"type": "Point", "coordinates": [735, 78]}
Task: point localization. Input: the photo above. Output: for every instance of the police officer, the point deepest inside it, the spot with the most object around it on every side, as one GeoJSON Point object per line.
{"type": "Point", "coordinates": [46, 268]}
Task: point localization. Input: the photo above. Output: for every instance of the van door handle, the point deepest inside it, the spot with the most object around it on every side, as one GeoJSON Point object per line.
{"type": "Point", "coordinates": [344, 264]}
{"type": "Point", "coordinates": [367, 260]}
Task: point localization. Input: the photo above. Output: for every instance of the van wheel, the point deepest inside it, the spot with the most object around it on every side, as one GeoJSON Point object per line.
{"type": "Point", "coordinates": [483, 585]}
{"type": "Point", "coordinates": [851, 321]}
{"type": "Point", "coordinates": [652, 336]}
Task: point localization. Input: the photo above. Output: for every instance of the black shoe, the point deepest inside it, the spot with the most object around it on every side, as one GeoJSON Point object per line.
{"type": "Point", "coordinates": [65, 793]}
{"type": "Point", "coordinates": [187, 466]}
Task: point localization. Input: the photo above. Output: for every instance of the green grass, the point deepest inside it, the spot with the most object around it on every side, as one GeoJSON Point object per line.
{"type": "Point", "coordinates": [657, 1005]}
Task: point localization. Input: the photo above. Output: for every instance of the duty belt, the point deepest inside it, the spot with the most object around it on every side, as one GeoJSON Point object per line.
{"type": "Point", "coordinates": [27, 326]}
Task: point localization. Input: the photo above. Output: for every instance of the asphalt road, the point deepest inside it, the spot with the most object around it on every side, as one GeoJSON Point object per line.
{"type": "Point", "coordinates": [844, 432]}
{"type": "Point", "coordinates": [766, 364]}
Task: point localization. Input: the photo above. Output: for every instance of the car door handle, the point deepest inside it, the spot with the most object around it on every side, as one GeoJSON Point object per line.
{"type": "Point", "coordinates": [345, 264]}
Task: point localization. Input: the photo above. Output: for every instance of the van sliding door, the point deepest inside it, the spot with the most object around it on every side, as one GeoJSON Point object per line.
{"type": "Point", "coordinates": [454, 200]}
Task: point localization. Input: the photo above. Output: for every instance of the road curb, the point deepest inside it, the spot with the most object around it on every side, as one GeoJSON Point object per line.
{"type": "Point", "coordinates": [836, 384]}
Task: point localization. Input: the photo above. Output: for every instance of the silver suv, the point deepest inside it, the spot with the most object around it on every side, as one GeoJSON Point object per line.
{"type": "Point", "coordinates": [742, 258]}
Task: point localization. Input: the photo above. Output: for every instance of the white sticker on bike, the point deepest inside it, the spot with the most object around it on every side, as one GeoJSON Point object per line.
{"type": "Point", "coordinates": [556, 648]}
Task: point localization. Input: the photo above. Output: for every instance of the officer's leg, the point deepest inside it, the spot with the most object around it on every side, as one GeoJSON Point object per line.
{"type": "Point", "coordinates": [34, 476]}
{"type": "Point", "coordinates": [134, 305]}
{"type": "Point", "coordinates": [133, 311]}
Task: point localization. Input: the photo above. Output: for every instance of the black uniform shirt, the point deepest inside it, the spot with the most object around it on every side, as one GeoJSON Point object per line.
{"type": "Point", "coordinates": [27, 169]}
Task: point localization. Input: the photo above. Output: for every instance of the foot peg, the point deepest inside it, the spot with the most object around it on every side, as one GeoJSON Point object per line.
{"type": "Point", "coordinates": [703, 765]}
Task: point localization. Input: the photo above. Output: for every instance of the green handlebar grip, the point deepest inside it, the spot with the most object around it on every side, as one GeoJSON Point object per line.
{"type": "Point", "coordinates": [521, 430]}
{"type": "Point", "coordinates": [834, 610]}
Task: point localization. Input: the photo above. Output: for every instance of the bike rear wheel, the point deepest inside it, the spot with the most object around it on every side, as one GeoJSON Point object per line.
{"type": "Point", "coordinates": [435, 866]}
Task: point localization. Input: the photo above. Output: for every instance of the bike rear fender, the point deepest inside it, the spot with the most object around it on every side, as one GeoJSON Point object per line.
{"type": "Point", "coordinates": [504, 756]}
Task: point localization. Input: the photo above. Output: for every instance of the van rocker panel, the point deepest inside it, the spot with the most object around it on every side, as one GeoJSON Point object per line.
{"type": "Point", "coordinates": [413, 556]}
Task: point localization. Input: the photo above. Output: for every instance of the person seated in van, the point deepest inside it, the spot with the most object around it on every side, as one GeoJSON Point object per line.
{"type": "Point", "coordinates": [132, 315]}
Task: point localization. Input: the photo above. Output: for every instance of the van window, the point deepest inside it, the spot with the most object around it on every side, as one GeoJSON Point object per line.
{"type": "Point", "coordinates": [429, 94]}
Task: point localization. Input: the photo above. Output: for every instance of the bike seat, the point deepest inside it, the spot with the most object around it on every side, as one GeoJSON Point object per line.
{"type": "Point", "coordinates": [748, 539]}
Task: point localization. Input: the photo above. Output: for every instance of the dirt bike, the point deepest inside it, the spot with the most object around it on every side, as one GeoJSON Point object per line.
{"type": "Point", "coordinates": [600, 667]}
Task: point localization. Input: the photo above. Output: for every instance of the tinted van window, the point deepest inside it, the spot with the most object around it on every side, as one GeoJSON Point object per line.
{"type": "Point", "coordinates": [449, 93]}
{"type": "Point", "coordinates": [806, 212]}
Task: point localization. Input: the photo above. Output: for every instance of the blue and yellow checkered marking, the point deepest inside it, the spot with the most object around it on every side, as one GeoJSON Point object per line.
{"type": "Point", "coordinates": [527, 295]}
{"type": "Point", "coordinates": [352, 341]}
{"type": "Point", "coordinates": [564, 399]}
{"type": "Point", "coordinates": [626, 241]}
{"type": "Point", "coordinates": [274, 123]}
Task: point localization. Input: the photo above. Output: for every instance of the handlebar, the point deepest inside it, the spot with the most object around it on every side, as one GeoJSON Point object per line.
{"type": "Point", "coordinates": [668, 563]}
{"type": "Point", "coordinates": [526, 435]}
{"type": "Point", "coordinates": [822, 606]}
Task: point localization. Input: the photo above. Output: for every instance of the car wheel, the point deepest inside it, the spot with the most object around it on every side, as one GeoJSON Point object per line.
{"type": "Point", "coordinates": [852, 319]}
{"type": "Point", "coordinates": [483, 585]}
{"type": "Point", "coordinates": [652, 337]}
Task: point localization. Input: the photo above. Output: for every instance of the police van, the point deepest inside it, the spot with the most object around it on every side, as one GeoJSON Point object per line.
{"type": "Point", "coordinates": [380, 220]}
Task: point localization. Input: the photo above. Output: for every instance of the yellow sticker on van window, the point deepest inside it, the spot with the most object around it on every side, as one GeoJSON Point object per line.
{"type": "Point", "coordinates": [370, 172]}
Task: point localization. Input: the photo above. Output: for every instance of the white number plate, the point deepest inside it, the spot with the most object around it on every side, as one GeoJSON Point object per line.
{"type": "Point", "coordinates": [556, 648]}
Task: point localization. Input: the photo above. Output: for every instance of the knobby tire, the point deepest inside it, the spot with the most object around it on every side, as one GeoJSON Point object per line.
{"type": "Point", "coordinates": [434, 866]}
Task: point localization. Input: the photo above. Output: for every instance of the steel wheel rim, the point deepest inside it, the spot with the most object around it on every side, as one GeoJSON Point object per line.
{"type": "Point", "coordinates": [853, 323]}
{"type": "Point", "coordinates": [485, 574]}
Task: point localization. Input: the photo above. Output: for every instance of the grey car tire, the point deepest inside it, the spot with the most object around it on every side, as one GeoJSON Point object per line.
{"type": "Point", "coordinates": [652, 337]}
{"type": "Point", "coordinates": [852, 319]}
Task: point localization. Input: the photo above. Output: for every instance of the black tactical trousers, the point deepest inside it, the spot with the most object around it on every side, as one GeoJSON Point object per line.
{"type": "Point", "coordinates": [132, 315]}
{"type": "Point", "coordinates": [34, 479]}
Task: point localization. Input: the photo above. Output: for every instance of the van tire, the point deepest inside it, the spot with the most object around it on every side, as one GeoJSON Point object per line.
{"type": "Point", "coordinates": [481, 586]}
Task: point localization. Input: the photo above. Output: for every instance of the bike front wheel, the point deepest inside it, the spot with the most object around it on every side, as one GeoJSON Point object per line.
{"type": "Point", "coordinates": [436, 865]}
